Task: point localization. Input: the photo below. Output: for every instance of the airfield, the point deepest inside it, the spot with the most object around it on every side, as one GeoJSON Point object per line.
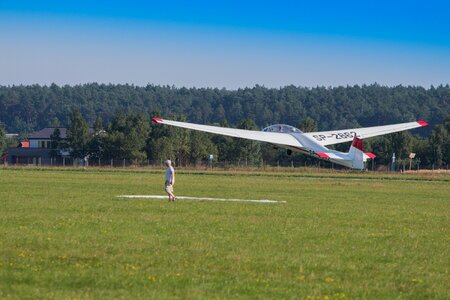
{"type": "Point", "coordinates": [65, 233]}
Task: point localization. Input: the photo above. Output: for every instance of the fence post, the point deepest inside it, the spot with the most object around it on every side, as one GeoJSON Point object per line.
{"type": "Point", "coordinates": [124, 162]}
{"type": "Point", "coordinates": [111, 162]}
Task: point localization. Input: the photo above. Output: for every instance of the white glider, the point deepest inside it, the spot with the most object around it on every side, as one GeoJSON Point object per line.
{"type": "Point", "coordinates": [309, 143]}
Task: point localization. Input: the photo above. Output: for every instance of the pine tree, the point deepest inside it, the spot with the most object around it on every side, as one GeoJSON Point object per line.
{"type": "Point", "coordinates": [78, 135]}
{"type": "Point", "coordinates": [98, 124]}
{"type": "Point", "coordinates": [308, 125]}
{"type": "Point", "coordinates": [55, 140]}
{"type": "Point", "coordinates": [2, 141]}
{"type": "Point", "coordinates": [126, 137]}
{"type": "Point", "coordinates": [247, 151]}
{"type": "Point", "coordinates": [437, 143]}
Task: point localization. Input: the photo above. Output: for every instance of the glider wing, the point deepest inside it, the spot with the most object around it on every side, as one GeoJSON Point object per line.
{"type": "Point", "coordinates": [332, 137]}
{"type": "Point", "coordinates": [277, 138]}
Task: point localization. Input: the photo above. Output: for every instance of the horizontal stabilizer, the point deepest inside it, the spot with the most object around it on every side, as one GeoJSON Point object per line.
{"type": "Point", "coordinates": [322, 155]}
{"type": "Point", "coordinates": [369, 155]}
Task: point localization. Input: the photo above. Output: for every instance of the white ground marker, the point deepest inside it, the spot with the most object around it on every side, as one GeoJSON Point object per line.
{"type": "Point", "coordinates": [200, 199]}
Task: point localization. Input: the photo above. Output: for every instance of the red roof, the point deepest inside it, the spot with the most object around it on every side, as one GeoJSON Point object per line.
{"type": "Point", "coordinates": [24, 145]}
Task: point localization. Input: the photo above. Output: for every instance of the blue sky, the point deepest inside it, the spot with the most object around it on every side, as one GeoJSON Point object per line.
{"type": "Point", "coordinates": [228, 44]}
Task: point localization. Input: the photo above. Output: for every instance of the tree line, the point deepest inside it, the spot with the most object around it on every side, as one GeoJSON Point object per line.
{"type": "Point", "coordinates": [119, 116]}
{"type": "Point", "coordinates": [29, 108]}
{"type": "Point", "coordinates": [132, 137]}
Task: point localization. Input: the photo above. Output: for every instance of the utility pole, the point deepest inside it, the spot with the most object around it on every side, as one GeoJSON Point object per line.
{"type": "Point", "coordinates": [411, 156]}
{"type": "Point", "coordinates": [393, 163]}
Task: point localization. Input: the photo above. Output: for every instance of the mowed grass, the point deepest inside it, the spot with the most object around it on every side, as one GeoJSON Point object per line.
{"type": "Point", "coordinates": [65, 234]}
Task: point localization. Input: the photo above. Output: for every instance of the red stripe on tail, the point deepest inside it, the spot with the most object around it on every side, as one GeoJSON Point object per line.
{"type": "Point", "coordinates": [358, 143]}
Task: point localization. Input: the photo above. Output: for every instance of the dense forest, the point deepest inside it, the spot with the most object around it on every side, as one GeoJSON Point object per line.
{"type": "Point", "coordinates": [125, 111]}
{"type": "Point", "coordinates": [28, 108]}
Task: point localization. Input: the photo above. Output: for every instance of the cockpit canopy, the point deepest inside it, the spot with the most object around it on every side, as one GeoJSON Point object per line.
{"type": "Point", "coordinates": [282, 128]}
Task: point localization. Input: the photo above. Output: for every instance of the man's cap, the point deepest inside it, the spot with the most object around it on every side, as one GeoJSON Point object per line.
{"type": "Point", "coordinates": [168, 161]}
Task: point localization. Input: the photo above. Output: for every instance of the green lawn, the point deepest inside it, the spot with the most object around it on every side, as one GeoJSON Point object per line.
{"type": "Point", "coordinates": [65, 234]}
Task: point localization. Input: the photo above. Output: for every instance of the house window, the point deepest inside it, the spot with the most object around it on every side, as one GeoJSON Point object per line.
{"type": "Point", "coordinates": [44, 144]}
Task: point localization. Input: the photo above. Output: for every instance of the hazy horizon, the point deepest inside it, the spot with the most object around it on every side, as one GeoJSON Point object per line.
{"type": "Point", "coordinates": [225, 44]}
{"type": "Point", "coordinates": [228, 89]}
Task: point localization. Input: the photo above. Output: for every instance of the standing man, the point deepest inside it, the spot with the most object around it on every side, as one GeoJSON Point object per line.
{"type": "Point", "coordinates": [170, 181]}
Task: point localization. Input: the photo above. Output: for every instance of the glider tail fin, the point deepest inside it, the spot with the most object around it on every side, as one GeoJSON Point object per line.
{"type": "Point", "coordinates": [357, 154]}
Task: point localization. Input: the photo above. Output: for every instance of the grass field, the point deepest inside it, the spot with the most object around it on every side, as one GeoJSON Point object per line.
{"type": "Point", "coordinates": [65, 234]}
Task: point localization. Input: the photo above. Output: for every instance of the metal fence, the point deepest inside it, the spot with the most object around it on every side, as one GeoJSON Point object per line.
{"type": "Point", "coordinates": [124, 163]}
{"type": "Point", "coordinates": [262, 165]}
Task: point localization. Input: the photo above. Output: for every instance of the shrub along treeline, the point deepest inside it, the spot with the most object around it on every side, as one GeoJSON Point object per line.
{"type": "Point", "coordinates": [128, 134]}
